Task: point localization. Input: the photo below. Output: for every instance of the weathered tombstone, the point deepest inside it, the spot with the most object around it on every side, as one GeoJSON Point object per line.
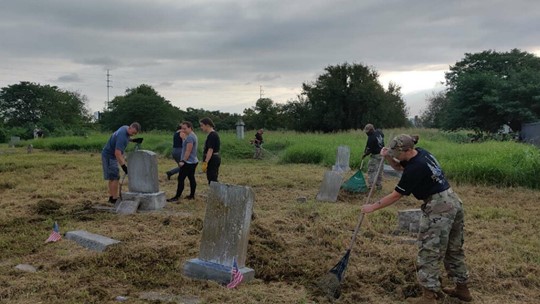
{"type": "Point", "coordinates": [330, 187]}
{"type": "Point", "coordinates": [409, 220]}
{"type": "Point", "coordinates": [91, 241]}
{"type": "Point", "coordinates": [224, 235]}
{"type": "Point", "coordinates": [29, 149]}
{"type": "Point", "coordinates": [13, 141]}
{"type": "Point", "coordinates": [390, 172]}
{"type": "Point", "coordinates": [240, 129]}
{"type": "Point", "coordinates": [26, 268]}
{"type": "Point", "coordinates": [342, 159]}
{"type": "Point", "coordinates": [143, 181]}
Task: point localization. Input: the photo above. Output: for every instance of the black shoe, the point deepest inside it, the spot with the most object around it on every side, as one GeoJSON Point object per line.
{"type": "Point", "coordinates": [169, 176]}
{"type": "Point", "coordinates": [113, 200]}
{"type": "Point", "coordinates": [190, 197]}
{"type": "Point", "coordinates": [172, 199]}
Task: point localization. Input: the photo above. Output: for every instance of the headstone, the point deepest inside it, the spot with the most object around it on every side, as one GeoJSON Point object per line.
{"type": "Point", "coordinates": [14, 141]}
{"type": "Point", "coordinates": [390, 172]}
{"type": "Point", "coordinates": [29, 148]}
{"type": "Point", "coordinates": [330, 187]}
{"type": "Point", "coordinates": [225, 234]}
{"type": "Point", "coordinates": [127, 207]}
{"type": "Point", "coordinates": [240, 129]}
{"type": "Point", "coordinates": [91, 241]}
{"type": "Point", "coordinates": [342, 159]}
{"type": "Point", "coordinates": [143, 181]}
{"type": "Point", "coordinates": [143, 172]}
{"type": "Point", "coordinates": [409, 220]}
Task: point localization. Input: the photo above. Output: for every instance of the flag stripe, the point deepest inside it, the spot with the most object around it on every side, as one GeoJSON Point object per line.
{"type": "Point", "coordinates": [55, 236]}
{"type": "Point", "coordinates": [236, 277]}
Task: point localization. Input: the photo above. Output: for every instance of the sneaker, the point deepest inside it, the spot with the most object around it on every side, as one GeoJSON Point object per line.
{"type": "Point", "coordinates": [190, 197]}
{"type": "Point", "coordinates": [113, 200]}
{"type": "Point", "coordinates": [172, 199]}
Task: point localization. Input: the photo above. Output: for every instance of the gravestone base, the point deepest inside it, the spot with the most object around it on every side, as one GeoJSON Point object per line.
{"type": "Point", "coordinates": [147, 201]}
{"type": "Point", "coordinates": [91, 241]}
{"type": "Point", "coordinates": [203, 270]}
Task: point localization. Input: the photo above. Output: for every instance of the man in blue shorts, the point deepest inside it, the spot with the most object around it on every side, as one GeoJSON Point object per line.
{"type": "Point", "coordinates": [113, 155]}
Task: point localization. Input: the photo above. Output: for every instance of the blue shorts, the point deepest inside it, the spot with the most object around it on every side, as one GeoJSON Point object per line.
{"type": "Point", "coordinates": [110, 168]}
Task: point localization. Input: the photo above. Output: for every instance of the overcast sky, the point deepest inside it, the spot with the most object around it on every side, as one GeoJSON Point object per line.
{"type": "Point", "coordinates": [216, 54]}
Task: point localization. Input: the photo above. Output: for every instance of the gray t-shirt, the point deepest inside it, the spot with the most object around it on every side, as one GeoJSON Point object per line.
{"type": "Point", "coordinates": [119, 140]}
{"type": "Point", "coordinates": [191, 138]}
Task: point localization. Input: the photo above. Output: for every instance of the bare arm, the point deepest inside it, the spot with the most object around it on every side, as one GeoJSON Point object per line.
{"type": "Point", "coordinates": [209, 154]}
{"type": "Point", "coordinates": [382, 203]}
{"type": "Point", "coordinates": [119, 157]}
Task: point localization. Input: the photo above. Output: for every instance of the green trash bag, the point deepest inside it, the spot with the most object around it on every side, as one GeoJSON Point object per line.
{"type": "Point", "coordinates": [355, 184]}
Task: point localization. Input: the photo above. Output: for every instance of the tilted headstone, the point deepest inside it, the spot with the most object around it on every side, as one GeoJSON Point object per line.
{"type": "Point", "coordinates": [225, 234]}
{"type": "Point", "coordinates": [342, 159]}
{"type": "Point", "coordinates": [143, 181]}
{"type": "Point", "coordinates": [330, 187]}
{"type": "Point", "coordinates": [409, 220]}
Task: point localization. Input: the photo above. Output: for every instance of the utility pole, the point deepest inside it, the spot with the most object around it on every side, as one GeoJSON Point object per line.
{"type": "Point", "coordinates": [108, 87]}
{"type": "Point", "coordinates": [261, 92]}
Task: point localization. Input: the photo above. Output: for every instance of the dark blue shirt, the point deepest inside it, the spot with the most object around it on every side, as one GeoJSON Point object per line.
{"type": "Point", "coordinates": [422, 176]}
{"type": "Point", "coordinates": [118, 140]}
{"type": "Point", "coordinates": [374, 143]}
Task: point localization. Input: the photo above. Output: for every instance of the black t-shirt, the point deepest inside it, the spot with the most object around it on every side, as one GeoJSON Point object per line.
{"type": "Point", "coordinates": [212, 142]}
{"type": "Point", "coordinates": [259, 138]}
{"type": "Point", "coordinates": [375, 142]}
{"type": "Point", "coordinates": [422, 176]}
{"type": "Point", "coordinates": [177, 140]}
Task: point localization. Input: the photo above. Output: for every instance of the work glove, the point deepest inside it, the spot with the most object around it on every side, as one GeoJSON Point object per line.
{"type": "Point", "coordinates": [204, 167]}
{"type": "Point", "coordinates": [137, 140]}
{"type": "Point", "coordinates": [124, 167]}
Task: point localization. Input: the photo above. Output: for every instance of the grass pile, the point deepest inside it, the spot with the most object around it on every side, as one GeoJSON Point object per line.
{"type": "Point", "coordinates": [291, 244]}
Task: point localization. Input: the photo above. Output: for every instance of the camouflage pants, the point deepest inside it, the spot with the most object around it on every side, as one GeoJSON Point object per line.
{"type": "Point", "coordinates": [373, 166]}
{"type": "Point", "coordinates": [441, 239]}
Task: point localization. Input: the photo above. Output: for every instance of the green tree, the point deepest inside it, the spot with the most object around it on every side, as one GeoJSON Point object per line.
{"type": "Point", "coordinates": [265, 114]}
{"type": "Point", "coordinates": [27, 105]}
{"type": "Point", "coordinates": [144, 105]}
{"type": "Point", "coordinates": [435, 113]}
{"type": "Point", "coordinates": [349, 96]}
{"type": "Point", "coordinates": [489, 89]}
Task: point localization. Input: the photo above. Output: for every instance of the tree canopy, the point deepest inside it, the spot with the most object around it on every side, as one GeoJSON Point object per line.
{"type": "Point", "coordinates": [28, 105]}
{"type": "Point", "coordinates": [347, 97]}
{"type": "Point", "coordinates": [489, 89]}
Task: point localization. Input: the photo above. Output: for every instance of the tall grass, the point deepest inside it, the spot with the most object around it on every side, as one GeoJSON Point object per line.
{"type": "Point", "coordinates": [492, 163]}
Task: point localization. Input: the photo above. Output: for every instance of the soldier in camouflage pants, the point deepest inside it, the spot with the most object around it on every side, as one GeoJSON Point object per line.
{"type": "Point", "coordinates": [374, 145]}
{"type": "Point", "coordinates": [440, 238]}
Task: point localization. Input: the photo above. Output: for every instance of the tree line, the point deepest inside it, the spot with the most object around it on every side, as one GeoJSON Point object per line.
{"type": "Point", "coordinates": [483, 91]}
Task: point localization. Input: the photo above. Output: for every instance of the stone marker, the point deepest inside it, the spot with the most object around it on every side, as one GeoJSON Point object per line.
{"type": "Point", "coordinates": [240, 129]}
{"type": "Point", "coordinates": [26, 268]}
{"type": "Point", "coordinates": [225, 234]}
{"type": "Point", "coordinates": [29, 149]}
{"type": "Point", "coordinates": [342, 159]}
{"type": "Point", "coordinates": [143, 181]}
{"type": "Point", "coordinates": [330, 187]}
{"type": "Point", "coordinates": [91, 241]}
{"type": "Point", "coordinates": [390, 172]}
{"type": "Point", "coordinates": [409, 220]}
{"type": "Point", "coordinates": [127, 207]}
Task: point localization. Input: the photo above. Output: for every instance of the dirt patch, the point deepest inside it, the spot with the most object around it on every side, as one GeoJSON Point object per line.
{"type": "Point", "coordinates": [47, 207]}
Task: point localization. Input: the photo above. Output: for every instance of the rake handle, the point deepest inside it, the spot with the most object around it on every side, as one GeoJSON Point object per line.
{"type": "Point", "coordinates": [361, 216]}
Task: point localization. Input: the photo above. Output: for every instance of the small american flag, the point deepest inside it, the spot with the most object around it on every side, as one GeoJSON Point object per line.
{"type": "Point", "coordinates": [55, 234]}
{"type": "Point", "coordinates": [236, 276]}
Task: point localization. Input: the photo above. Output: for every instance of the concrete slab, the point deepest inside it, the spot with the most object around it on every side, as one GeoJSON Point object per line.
{"type": "Point", "coordinates": [91, 241]}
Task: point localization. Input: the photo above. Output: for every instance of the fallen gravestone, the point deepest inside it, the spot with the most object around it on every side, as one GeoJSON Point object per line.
{"type": "Point", "coordinates": [91, 241]}
{"type": "Point", "coordinates": [26, 268]}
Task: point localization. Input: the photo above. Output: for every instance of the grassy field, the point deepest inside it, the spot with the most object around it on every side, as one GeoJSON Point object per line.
{"type": "Point", "coordinates": [291, 244]}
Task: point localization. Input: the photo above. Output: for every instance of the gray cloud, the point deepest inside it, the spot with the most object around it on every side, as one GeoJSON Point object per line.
{"type": "Point", "coordinates": [73, 77]}
{"type": "Point", "coordinates": [202, 46]}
